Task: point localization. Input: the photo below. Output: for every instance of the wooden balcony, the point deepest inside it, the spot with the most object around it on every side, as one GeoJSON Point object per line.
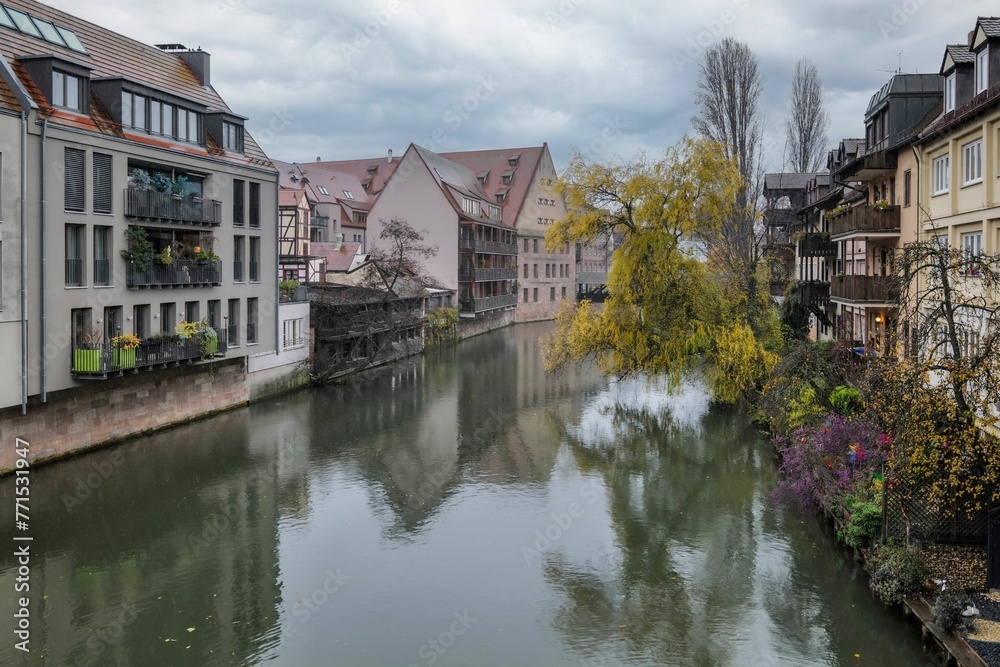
{"type": "Point", "coordinates": [814, 293]}
{"type": "Point", "coordinates": [817, 245]}
{"type": "Point", "coordinates": [865, 221]}
{"type": "Point", "coordinates": [485, 274]}
{"type": "Point", "coordinates": [154, 205]}
{"type": "Point", "coordinates": [863, 289]}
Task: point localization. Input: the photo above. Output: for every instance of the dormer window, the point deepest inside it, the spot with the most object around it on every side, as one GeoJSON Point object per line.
{"type": "Point", "coordinates": [134, 111]}
{"type": "Point", "coordinates": [512, 160]}
{"type": "Point", "coordinates": [494, 212]}
{"type": "Point", "coordinates": [982, 70]}
{"type": "Point", "coordinates": [470, 206]}
{"type": "Point", "coordinates": [323, 191]}
{"type": "Point", "coordinates": [67, 91]}
{"type": "Point", "coordinates": [949, 92]}
{"type": "Point", "coordinates": [507, 177]}
{"type": "Point", "coordinates": [232, 137]}
{"type": "Point", "coordinates": [483, 177]}
{"type": "Point", "coordinates": [187, 126]}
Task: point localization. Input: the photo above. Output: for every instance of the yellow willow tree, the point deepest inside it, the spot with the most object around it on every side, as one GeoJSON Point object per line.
{"type": "Point", "coordinates": [668, 310]}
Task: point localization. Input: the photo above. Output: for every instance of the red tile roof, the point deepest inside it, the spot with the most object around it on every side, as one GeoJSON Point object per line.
{"type": "Point", "coordinates": [290, 198]}
{"type": "Point", "coordinates": [7, 99]}
{"type": "Point", "coordinates": [110, 54]}
{"type": "Point", "coordinates": [497, 163]}
{"type": "Point", "coordinates": [374, 170]}
{"type": "Point", "coordinates": [337, 259]}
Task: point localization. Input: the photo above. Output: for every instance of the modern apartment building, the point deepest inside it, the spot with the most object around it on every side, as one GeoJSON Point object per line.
{"type": "Point", "coordinates": [132, 198]}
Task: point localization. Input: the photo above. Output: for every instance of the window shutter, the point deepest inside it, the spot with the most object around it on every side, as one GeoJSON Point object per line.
{"type": "Point", "coordinates": [102, 183]}
{"type": "Point", "coordinates": [74, 196]}
{"type": "Point", "coordinates": [255, 204]}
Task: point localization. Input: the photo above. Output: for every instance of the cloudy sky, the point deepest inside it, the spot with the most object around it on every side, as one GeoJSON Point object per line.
{"type": "Point", "coordinates": [342, 79]}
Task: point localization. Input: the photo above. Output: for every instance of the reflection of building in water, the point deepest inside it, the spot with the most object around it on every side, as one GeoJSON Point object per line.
{"type": "Point", "coordinates": [174, 534]}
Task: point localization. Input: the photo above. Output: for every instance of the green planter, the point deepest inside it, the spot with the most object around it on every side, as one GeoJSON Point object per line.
{"type": "Point", "coordinates": [87, 361]}
{"type": "Point", "coordinates": [125, 358]}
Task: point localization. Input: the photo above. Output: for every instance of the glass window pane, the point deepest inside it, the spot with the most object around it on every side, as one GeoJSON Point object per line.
{"type": "Point", "coordinates": [49, 32]}
{"type": "Point", "coordinates": [73, 92]}
{"type": "Point", "coordinates": [192, 127]}
{"type": "Point", "coordinates": [5, 20]}
{"type": "Point", "coordinates": [139, 113]}
{"type": "Point", "coordinates": [71, 39]}
{"type": "Point", "coordinates": [24, 23]}
{"type": "Point", "coordinates": [127, 109]}
{"type": "Point", "coordinates": [58, 89]}
{"type": "Point", "coordinates": [154, 116]}
{"type": "Point", "coordinates": [168, 120]}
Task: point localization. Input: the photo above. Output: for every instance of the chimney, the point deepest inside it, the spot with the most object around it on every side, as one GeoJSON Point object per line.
{"type": "Point", "coordinates": [198, 61]}
{"type": "Point", "coordinates": [972, 37]}
{"type": "Point", "coordinates": [390, 157]}
{"type": "Point", "coordinates": [317, 158]}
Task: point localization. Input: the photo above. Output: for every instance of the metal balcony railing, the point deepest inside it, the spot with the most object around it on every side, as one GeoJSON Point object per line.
{"type": "Point", "coordinates": [488, 247]}
{"type": "Point", "coordinates": [484, 274]}
{"type": "Point", "coordinates": [102, 271]}
{"type": "Point", "coordinates": [74, 272]}
{"type": "Point", "coordinates": [98, 361]}
{"type": "Point", "coordinates": [178, 272]}
{"type": "Point", "coordinates": [483, 304]}
{"type": "Point", "coordinates": [155, 205]}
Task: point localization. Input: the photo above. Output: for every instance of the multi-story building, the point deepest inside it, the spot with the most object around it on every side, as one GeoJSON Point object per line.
{"type": "Point", "coordinates": [784, 194]}
{"type": "Point", "coordinates": [338, 201]}
{"type": "Point", "coordinates": [133, 198]}
{"type": "Point", "coordinates": [477, 250]}
{"type": "Point", "coordinates": [869, 233]}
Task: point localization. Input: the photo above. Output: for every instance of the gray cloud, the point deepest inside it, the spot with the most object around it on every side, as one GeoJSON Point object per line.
{"type": "Point", "coordinates": [358, 78]}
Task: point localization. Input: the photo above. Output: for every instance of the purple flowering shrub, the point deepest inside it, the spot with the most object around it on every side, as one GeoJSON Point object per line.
{"type": "Point", "coordinates": [821, 465]}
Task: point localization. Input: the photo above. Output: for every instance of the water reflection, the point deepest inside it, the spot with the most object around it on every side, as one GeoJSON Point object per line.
{"type": "Point", "coordinates": [568, 520]}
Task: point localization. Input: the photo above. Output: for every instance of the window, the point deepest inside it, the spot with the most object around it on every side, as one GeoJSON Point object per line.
{"type": "Point", "coordinates": [535, 270]}
{"type": "Point", "coordinates": [134, 111]}
{"type": "Point", "coordinates": [323, 190]}
{"type": "Point", "coordinates": [75, 237]}
{"type": "Point", "coordinates": [347, 193]}
{"type": "Point", "coordinates": [233, 328]}
{"type": "Point", "coordinates": [67, 91]}
{"type": "Point", "coordinates": [494, 212]}
{"type": "Point", "coordinates": [534, 294]}
{"type": "Point", "coordinates": [907, 187]}
{"type": "Point", "coordinates": [949, 92]}
{"type": "Point", "coordinates": [292, 334]}
{"type": "Point", "coordinates": [140, 321]}
{"type": "Point", "coordinates": [525, 299]}
{"type": "Point", "coordinates": [232, 137]}
{"type": "Point", "coordinates": [82, 327]}
{"type": "Point", "coordinates": [941, 175]}
{"type": "Point", "coordinates": [526, 250]}
{"type": "Point", "coordinates": [74, 192]}
{"type": "Point", "coordinates": [534, 246]}
{"type": "Point", "coordinates": [254, 259]}
{"type": "Point", "coordinates": [103, 196]}
{"type": "Point", "coordinates": [360, 218]}
{"type": "Point", "coordinates": [255, 204]}
{"type": "Point", "coordinates": [564, 292]}
{"type": "Point", "coordinates": [552, 294]}
{"type": "Point", "coordinates": [507, 177]}
{"type": "Point", "coordinates": [983, 70]}
{"type": "Point", "coordinates": [215, 314]}
{"type": "Point", "coordinates": [191, 309]}
{"type": "Point", "coordinates": [251, 320]}
{"type": "Point", "coordinates": [546, 270]}
{"type": "Point", "coordinates": [972, 162]}
{"type": "Point", "coordinates": [187, 126]}
{"type": "Point", "coordinates": [972, 248]}
{"type": "Point", "coordinates": [238, 194]}
{"type": "Point", "coordinates": [526, 270]}
{"type": "Point", "coordinates": [239, 249]}
{"type": "Point", "coordinates": [102, 255]}
{"type": "Point", "coordinates": [167, 311]}
{"type": "Point", "coordinates": [470, 206]}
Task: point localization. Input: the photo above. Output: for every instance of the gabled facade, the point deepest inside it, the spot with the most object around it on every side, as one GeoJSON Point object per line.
{"type": "Point", "coordinates": [295, 262]}
{"type": "Point", "coordinates": [127, 148]}
{"type": "Point", "coordinates": [338, 202]}
{"type": "Point", "coordinates": [477, 250]}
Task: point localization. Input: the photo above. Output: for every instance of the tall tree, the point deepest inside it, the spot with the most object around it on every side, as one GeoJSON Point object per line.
{"type": "Point", "coordinates": [728, 98]}
{"type": "Point", "coordinates": [666, 312]}
{"type": "Point", "coordinates": [806, 121]}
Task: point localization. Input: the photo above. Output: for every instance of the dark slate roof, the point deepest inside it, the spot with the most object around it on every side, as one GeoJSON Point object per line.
{"type": "Point", "coordinates": [787, 180]}
{"type": "Point", "coordinates": [990, 25]}
{"type": "Point", "coordinates": [960, 54]}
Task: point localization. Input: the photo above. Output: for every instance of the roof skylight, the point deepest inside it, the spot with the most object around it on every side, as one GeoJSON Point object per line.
{"type": "Point", "coordinates": [34, 26]}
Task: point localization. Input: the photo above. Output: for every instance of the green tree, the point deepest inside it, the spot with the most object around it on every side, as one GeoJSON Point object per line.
{"type": "Point", "coordinates": [668, 310]}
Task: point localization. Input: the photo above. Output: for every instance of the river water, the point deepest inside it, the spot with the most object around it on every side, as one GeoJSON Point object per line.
{"type": "Point", "coordinates": [461, 508]}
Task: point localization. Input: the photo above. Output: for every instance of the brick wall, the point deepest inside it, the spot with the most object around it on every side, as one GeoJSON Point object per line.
{"type": "Point", "coordinates": [104, 411]}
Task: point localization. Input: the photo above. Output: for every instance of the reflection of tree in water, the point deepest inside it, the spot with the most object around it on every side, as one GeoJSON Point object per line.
{"type": "Point", "coordinates": [689, 514]}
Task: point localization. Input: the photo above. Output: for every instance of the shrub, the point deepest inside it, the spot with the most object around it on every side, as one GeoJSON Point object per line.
{"type": "Point", "coordinates": [845, 400]}
{"type": "Point", "coordinates": [947, 612]}
{"type": "Point", "coordinates": [803, 409]}
{"type": "Point", "coordinates": [863, 520]}
{"type": "Point", "coordinates": [898, 571]}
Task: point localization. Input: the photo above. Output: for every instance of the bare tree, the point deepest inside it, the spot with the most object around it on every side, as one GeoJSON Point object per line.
{"type": "Point", "coordinates": [806, 121]}
{"type": "Point", "coordinates": [728, 97]}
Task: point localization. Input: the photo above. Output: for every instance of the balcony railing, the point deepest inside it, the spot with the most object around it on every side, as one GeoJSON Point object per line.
{"type": "Point", "coordinates": [178, 272]}
{"type": "Point", "coordinates": [251, 332]}
{"type": "Point", "coordinates": [780, 217]}
{"type": "Point", "coordinates": [488, 273]}
{"type": "Point", "coordinates": [319, 221]}
{"type": "Point", "coordinates": [863, 289]}
{"type": "Point", "coordinates": [865, 219]}
{"type": "Point", "coordinates": [487, 247]}
{"type": "Point", "coordinates": [254, 271]}
{"type": "Point", "coordinates": [488, 303]}
{"type": "Point", "coordinates": [299, 294]}
{"type": "Point", "coordinates": [817, 245]}
{"type": "Point", "coordinates": [74, 272]}
{"type": "Point", "coordinates": [233, 334]}
{"type": "Point", "coordinates": [102, 271]}
{"type": "Point", "coordinates": [814, 293]}
{"type": "Point", "coordinates": [154, 205]}
{"type": "Point", "coordinates": [99, 361]}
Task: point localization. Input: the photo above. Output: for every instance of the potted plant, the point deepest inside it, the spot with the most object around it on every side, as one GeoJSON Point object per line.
{"type": "Point", "coordinates": [161, 182]}
{"type": "Point", "coordinates": [178, 186]}
{"type": "Point", "coordinates": [287, 289]}
{"type": "Point", "coordinates": [139, 179]}
{"type": "Point", "coordinates": [881, 205]}
{"type": "Point", "coordinates": [87, 351]}
{"type": "Point", "coordinates": [124, 347]}
{"type": "Point", "coordinates": [140, 250]}
{"type": "Point", "coordinates": [209, 341]}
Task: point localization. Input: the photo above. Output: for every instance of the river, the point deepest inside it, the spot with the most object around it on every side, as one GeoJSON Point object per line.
{"type": "Point", "coordinates": [461, 508]}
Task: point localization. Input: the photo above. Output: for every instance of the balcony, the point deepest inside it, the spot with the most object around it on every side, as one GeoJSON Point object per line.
{"type": "Point", "coordinates": [486, 274]}
{"type": "Point", "coordinates": [817, 245]}
{"type": "Point", "coordinates": [781, 217]}
{"type": "Point", "coordinates": [814, 293]}
{"type": "Point", "coordinates": [487, 247]}
{"type": "Point", "coordinates": [97, 362]}
{"type": "Point", "coordinates": [865, 221]}
{"type": "Point", "coordinates": [863, 289]}
{"type": "Point", "coordinates": [177, 273]}
{"type": "Point", "coordinates": [74, 272]}
{"type": "Point", "coordinates": [319, 221]}
{"type": "Point", "coordinates": [489, 303]}
{"type": "Point", "coordinates": [154, 205]}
